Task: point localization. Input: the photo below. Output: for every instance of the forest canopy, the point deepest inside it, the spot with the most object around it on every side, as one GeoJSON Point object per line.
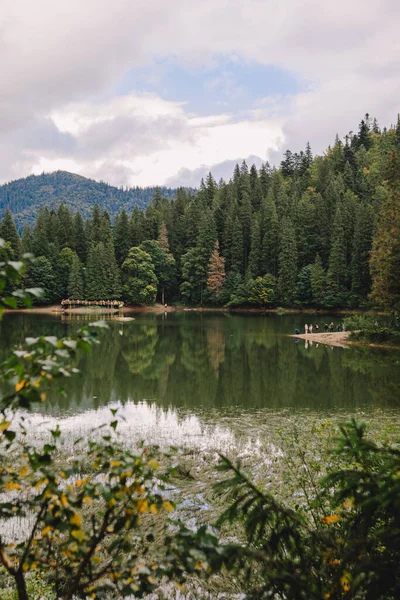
{"type": "Point", "coordinates": [318, 231]}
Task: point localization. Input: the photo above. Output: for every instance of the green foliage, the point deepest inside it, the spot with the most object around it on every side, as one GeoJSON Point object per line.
{"type": "Point", "coordinates": [83, 535]}
{"type": "Point", "coordinates": [371, 330]}
{"type": "Point", "coordinates": [261, 290]}
{"type": "Point", "coordinates": [140, 281]}
{"type": "Point", "coordinates": [343, 543]}
{"type": "Point", "coordinates": [329, 223]}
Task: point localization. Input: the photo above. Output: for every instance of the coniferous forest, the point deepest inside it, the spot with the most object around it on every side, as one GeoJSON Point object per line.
{"type": "Point", "coordinates": [319, 231]}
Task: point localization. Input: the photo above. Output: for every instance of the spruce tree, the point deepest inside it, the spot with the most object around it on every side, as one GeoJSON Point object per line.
{"type": "Point", "coordinates": [385, 255]}
{"type": "Point", "coordinates": [65, 229]}
{"type": "Point", "coordinates": [317, 281]}
{"type": "Point", "coordinates": [216, 273]}
{"type": "Point", "coordinates": [9, 233]}
{"type": "Point", "coordinates": [79, 237]}
{"type": "Point", "coordinates": [122, 237]}
{"type": "Point", "coordinates": [337, 275]}
{"type": "Point", "coordinates": [40, 243]}
{"type": "Point", "coordinates": [360, 270]}
{"type": "Point", "coordinates": [236, 251]}
{"type": "Point", "coordinates": [287, 274]}
{"type": "Point", "coordinates": [254, 265]}
{"type": "Point", "coordinates": [269, 236]}
{"type": "Point", "coordinates": [75, 279]}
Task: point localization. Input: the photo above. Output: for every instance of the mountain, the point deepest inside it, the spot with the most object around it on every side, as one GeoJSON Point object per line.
{"type": "Point", "coordinates": [25, 196]}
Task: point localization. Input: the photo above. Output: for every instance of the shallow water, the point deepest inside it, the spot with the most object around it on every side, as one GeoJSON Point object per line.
{"type": "Point", "coordinates": [213, 380]}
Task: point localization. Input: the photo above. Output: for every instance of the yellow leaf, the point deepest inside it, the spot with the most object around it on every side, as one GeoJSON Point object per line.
{"type": "Point", "coordinates": [153, 464]}
{"type": "Point", "coordinates": [20, 384]}
{"type": "Point", "coordinates": [36, 382]}
{"type": "Point", "coordinates": [46, 530]}
{"type": "Point", "coordinates": [168, 506]}
{"type": "Point", "coordinates": [12, 485]}
{"type": "Point", "coordinates": [87, 500]}
{"type": "Point", "coordinates": [78, 534]}
{"type": "Point", "coordinates": [142, 506]}
{"type": "Point", "coordinates": [115, 463]}
{"type": "Point", "coordinates": [76, 519]}
{"type": "Point", "coordinates": [4, 425]}
{"type": "Point", "coordinates": [23, 471]}
{"type": "Point", "coordinates": [64, 500]}
{"type": "Point", "coordinates": [43, 397]}
{"type": "Point", "coordinates": [331, 519]}
{"type": "Point", "coordinates": [153, 509]}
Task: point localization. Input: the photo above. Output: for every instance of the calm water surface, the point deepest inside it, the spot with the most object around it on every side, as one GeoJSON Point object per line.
{"type": "Point", "coordinates": [204, 379]}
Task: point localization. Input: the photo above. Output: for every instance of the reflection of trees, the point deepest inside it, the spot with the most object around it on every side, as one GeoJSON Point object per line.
{"type": "Point", "coordinates": [139, 348]}
{"type": "Point", "coordinates": [212, 361]}
{"type": "Point", "coordinates": [216, 347]}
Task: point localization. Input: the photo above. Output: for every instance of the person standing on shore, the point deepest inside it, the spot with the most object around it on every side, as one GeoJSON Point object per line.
{"type": "Point", "coordinates": [331, 327]}
{"type": "Point", "coordinates": [310, 328]}
{"type": "Point", "coordinates": [316, 327]}
{"type": "Point", "coordinates": [306, 329]}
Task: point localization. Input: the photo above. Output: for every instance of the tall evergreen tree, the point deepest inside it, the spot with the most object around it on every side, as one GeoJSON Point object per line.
{"type": "Point", "coordinates": [122, 237]}
{"type": "Point", "coordinates": [216, 273]}
{"type": "Point", "coordinates": [75, 279]}
{"type": "Point", "coordinates": [9, 233]}
{"type": "Point", "coordinates": [360, 270]}
{"type": "Point", "coordinates": [287, 274]}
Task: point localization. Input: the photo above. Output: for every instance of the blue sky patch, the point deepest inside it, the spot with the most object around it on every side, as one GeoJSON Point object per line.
{"type": "Point", "coordinates": [225, 87]}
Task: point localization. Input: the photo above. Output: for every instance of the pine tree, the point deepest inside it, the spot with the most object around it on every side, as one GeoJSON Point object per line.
{"type": "Point", "coordinates": [269, 236]}
{"type": "Point", "coordinates": [65, 229]}
{"type": "Point", "coordinates": [216, 272]}
{"type": "Point", "coordinates": [75, 279]}
{"type": "Point", "coordinates": [236, 251]}
{"type": "Point", "coordinates": [254, 265]}
{"type": "Point", "coordinates": [27, 240]}
{"type": "Point", "coordinates": [163, 239]}
{"type": "Point", "coordinates": [94, 274]}
{"type": "Point", "coordinates": [9, 233]}
{"type": "Point", "coordinates": [79, 237]}
{"type": "Point", "coordinates": [40, 244]}
{"type": "Point", "coordinates": [287, 275]}
{"type": "Point", "coordinates": [385, 255]}
{"type": "Point", "coordinates": [317, 281]}
{"type": "Point", "coordinates": [337, 275]}
{"type": "Point", "coordinates": [360, 270]}
{"type": "Point", "coordinates": [122, 237]}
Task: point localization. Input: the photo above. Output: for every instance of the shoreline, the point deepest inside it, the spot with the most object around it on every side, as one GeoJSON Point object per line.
{"type": "Point", "coordinates": [55, 309]}
{"type": "Point", "coordinates": [339, 339]}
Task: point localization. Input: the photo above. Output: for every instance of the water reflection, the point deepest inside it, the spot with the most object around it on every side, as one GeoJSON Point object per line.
{"type": "Point", "coordinates": [215, 361]}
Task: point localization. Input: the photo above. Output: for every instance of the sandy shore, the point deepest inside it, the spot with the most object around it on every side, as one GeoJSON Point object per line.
{"type": "Point", "coordinates": [336, 338]}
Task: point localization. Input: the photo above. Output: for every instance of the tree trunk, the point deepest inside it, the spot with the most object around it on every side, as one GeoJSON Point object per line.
{"type": "Point", "coordinates": [163, 296]}
{"type": "Point", "coordinates": [21, 586]}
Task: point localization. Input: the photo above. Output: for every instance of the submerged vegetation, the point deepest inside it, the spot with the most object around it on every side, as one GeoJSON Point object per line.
{"type": "Point", "coordinates": [318, 231]}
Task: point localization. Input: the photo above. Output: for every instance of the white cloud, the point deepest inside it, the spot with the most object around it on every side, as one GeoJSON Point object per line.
{"type": "Point", "coordinates": [61, 61]}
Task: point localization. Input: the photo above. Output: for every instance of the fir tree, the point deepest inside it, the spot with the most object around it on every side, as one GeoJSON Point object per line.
{"type": "Point", "coordinates": [360, 271]}
{"type": "Point", "coordinates": [254, 265]}
{"type": "Point", "coordinates": [79, 237]}
{"type": "Point", "coordinates": [9, 233]}
{"type": "Point", "coordinates": [75, 279]}
{"type": "Point", "coordinates": [287, 275]}
{"type": "Point", "coordinates": [236, 251]}
{"type": "Point", "coordinates": [122, 237]}
{"type": "Point", "coordinates": [216, 273]}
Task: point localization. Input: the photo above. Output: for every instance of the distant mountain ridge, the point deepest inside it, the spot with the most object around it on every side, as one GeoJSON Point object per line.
{"type": "Point", "coordinates": [25, 196]}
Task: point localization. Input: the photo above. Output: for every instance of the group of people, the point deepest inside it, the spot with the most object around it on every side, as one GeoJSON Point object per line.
{"type": "Point", "coordinates": [310, 328]}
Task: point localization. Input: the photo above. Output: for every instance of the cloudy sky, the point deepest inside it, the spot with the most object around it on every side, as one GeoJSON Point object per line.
{"type": "Point", "coordinates": [144, 92]}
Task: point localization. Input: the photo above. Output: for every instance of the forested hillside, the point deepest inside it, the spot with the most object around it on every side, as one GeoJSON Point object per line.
{"type": "Point", "coordinates": [25, 196]}
{"type": "Point", "coordinates": [319, 231]}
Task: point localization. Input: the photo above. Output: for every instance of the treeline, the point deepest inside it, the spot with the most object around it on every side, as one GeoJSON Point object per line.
{"type": "Point", "coordinates": [25, 196]}
{"type": "Point", "coordinates": [319, 231]}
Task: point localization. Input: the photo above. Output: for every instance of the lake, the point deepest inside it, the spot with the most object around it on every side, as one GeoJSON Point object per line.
{"type": "Point", "coordinates": [207, 380]}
